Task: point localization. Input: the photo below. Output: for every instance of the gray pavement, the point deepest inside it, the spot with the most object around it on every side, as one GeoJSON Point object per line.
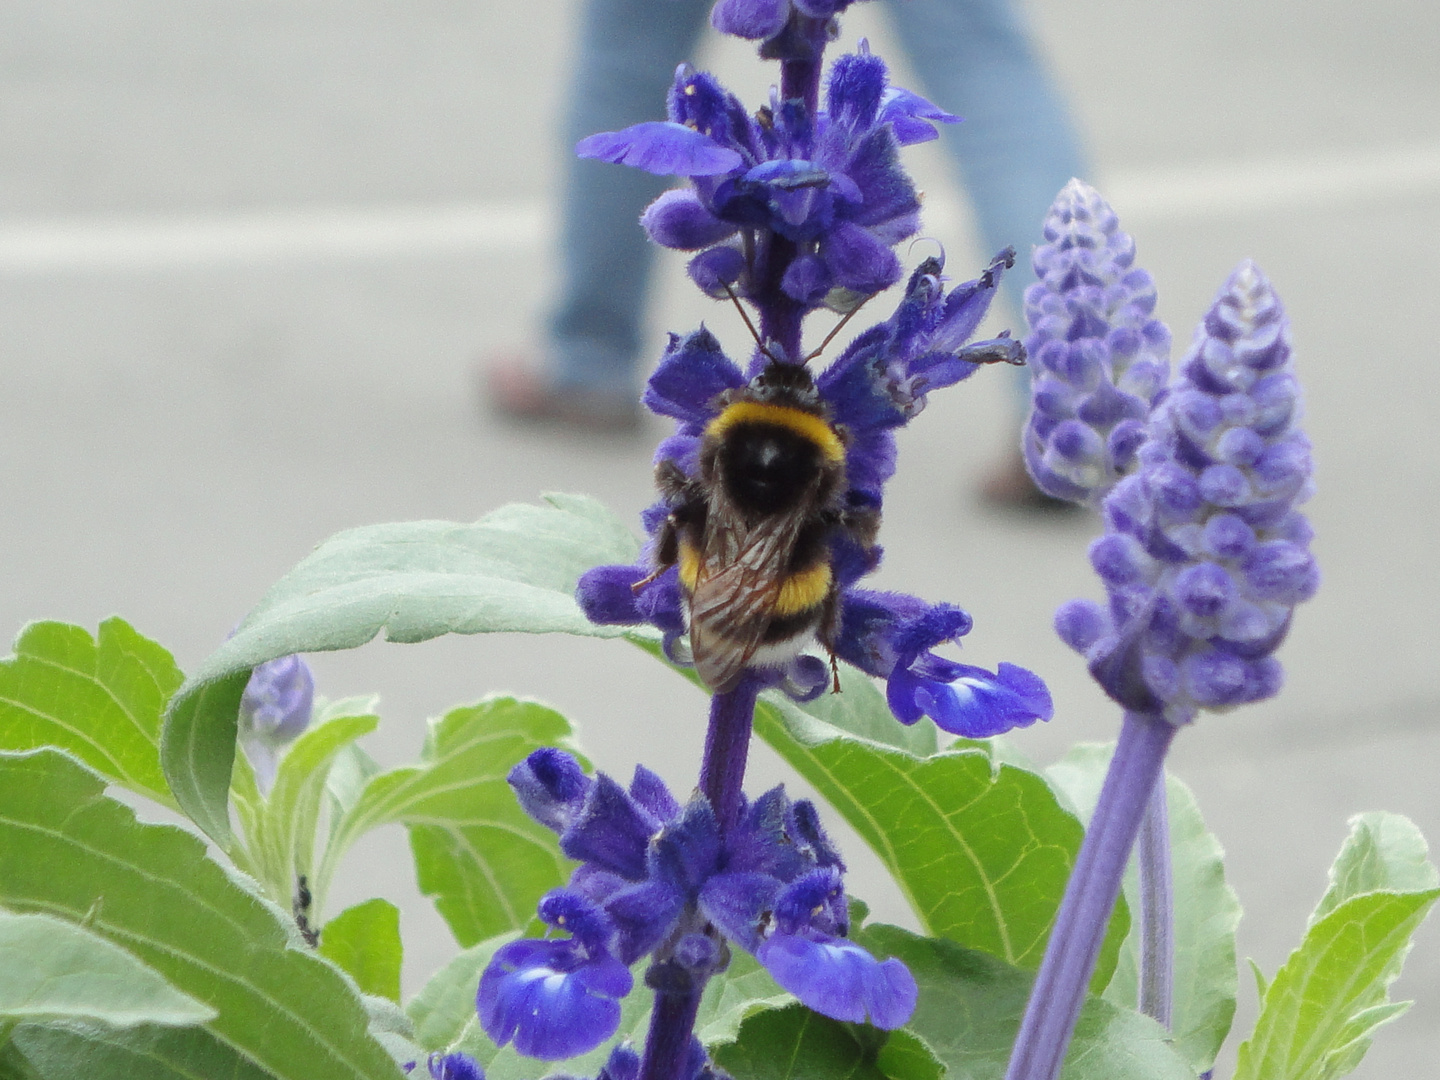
{"type": "Point", "coordinates": [183, 417]}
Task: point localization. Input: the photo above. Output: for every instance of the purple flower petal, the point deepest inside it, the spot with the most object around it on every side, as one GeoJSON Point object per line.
{"type": "Point", "coordinates": [550, 999]}
{"type": "Point", "coordinates": [689, 378]}
{"type": "Point", "coordinates": [754, 20]}
{"type": "Point", "coordinates": [680, 221]}
{"type": "Point", "coordinates": [662, 148]}
{"type": "Point", "coordinates": [839, 979]}
{"type": "Point", "coordinates": [605, 595]}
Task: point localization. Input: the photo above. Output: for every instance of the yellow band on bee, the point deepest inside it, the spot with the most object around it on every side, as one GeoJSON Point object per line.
{"type": "Point", "coordinates": [803, 423]}
{"type": "Point", "coordinates": [689, 565]}
{"type": "Point", "coordinates": [803, 591]}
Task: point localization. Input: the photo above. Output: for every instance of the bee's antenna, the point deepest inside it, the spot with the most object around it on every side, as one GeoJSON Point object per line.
{"type": "Point", "coordinates": [748, 324]}
{"type": "Point", "coordinates": [838, 327]}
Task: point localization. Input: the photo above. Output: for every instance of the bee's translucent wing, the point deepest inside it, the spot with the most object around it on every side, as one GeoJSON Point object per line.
{"type": "Point", "coordinates": [740, 573]}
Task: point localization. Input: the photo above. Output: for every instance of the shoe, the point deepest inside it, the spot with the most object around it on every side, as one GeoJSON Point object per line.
{"type": "Point", "coordinates": [1009, 485]}
{"type": "Point", "coordinates": [517, 391]}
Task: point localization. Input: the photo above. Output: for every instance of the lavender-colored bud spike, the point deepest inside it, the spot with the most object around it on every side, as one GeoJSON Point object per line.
{"type": "Point", "coordinates": [1206, 555]}
{"type": "Point", "coordinates": [1204, 560]}
{"type": "Point", "coordinates": [1101, 360]}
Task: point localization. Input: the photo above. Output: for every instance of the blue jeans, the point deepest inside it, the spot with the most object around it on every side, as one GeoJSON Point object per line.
{"type": "Point", "coordinates": [1014, 151]}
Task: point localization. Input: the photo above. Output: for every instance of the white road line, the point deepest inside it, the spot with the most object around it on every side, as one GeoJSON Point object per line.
{"type": "Point", "coordinates": [139, 243]}
{"type": "Point", "coordinates": [119, 244]}
{"type": "Point", "coordinates": [1225, 189]}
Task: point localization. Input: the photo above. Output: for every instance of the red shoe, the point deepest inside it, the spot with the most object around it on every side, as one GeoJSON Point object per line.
{"type": "Point", "coordinates": [517, 391]}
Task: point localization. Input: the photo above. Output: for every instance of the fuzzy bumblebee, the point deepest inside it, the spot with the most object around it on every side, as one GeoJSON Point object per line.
{"type": "Point", "coordinates": [752, 532]}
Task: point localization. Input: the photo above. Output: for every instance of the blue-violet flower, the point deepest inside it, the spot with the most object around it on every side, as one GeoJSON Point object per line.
{"type": "Point", "coordinates": [657, 878]}
{"type": "Point", "coordinates": [829, 185]}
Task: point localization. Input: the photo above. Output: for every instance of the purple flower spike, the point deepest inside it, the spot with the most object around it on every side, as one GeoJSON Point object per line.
{"type": "Point", "coordinates": [1101, 359]}
{"type": "Point", "coordinates": [1206, 554]}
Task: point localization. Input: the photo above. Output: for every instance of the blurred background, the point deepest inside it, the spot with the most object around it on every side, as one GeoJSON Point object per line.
{"type": "Point", "coordinates": [252, 254]}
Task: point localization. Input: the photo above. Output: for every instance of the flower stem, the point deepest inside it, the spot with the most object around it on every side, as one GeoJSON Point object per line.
{"type": "Point", "coordinates": [722, 780]}
{"type": "Point", "coordinates": [667, 1043]}
{"type": "Point", "coordinates": [727, 747]}
{"type": "Point", "coordinates": [1157, 909]}
{"type": "Point", "coordinates": [1079, 929]}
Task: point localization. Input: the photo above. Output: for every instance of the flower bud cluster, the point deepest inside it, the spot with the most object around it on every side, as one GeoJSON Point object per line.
{"type": "Point", "coordinates": [1205, 554]}
{"type": "Point", "coordinates": [274, 709]}
{"type": "Point", "coordinates": [1101, 360]}
{"type": "Point", "coordinates": [821, 195]}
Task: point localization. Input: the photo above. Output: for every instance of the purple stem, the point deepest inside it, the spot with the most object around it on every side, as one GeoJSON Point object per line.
{"type": "Point", "coordinates": [727, 746]}
{"type": "Point", "coordinates": [1157, 910]}
{"type": "Point", "coordinates": [667, 1043]}
{"type": "Point", "coordinates": [722, 780]}
{"type": "Point", "coordinates": [1079, 930]}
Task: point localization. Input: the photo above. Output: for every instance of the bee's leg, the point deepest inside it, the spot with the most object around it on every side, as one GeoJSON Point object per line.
{"type": "Point", "coordinates": [667, 551]}
{"type": "Point", "coordinates": [828, 631]}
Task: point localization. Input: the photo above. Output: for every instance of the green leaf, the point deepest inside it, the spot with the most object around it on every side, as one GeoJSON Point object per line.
{"type": "Point", "coordinates": [1329, 996]}
{"type": "Point", "coordinates": [281, 837]}
{"type": "Point", "coordinates": [981, 850]}
{"type": "Point", "coordinates": [1206, 912]}
{"type": "Point", "coordinates": [906, 1056]}
{"type": "Point", "coordinates": [68, 850]}
{"type": "Point", "coordinates": [364, 940]}
{"type": "Point", "coordinates": [481, 857]}
{"type": "Point", "coordinates": [970, 1007]}
{"type": "Point", "coordinates": [99, 698]}
{"type": "Point", "coordinates": [446, 1004]}
{"type": "Point", "coordinates": [1383, 852]}
{"type": "Point", "coordinates": [740, 991]}
{"type": "Point", "coordinates": [56, 970]}
{"type": "Point", "coordinates": [793, 1042]}
{"type": "Point", "coordinates": [514, 570]}
{"type": "Point", "coordinates": [67, 1051]}
{"type": "Point", "coordinates": [392, 1029]}
{"type": "Point", "coordinates": [197, 751]}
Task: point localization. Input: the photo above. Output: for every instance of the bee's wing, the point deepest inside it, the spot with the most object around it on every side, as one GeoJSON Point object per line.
{"type": "Point", "coordinates": [738, 583]}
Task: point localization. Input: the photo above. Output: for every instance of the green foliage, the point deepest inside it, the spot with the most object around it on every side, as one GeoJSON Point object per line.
{"type": "Point", "coordinates": [970, 1008]}
{"type": "Point", "coordinates": [280, 828]}
{"type": "Point", "coordinates": [68, 1051]}
{"type": "Point", "coordinates": [793, 1042]}
{"type": "Point", "coordinates": [1319, 1011]}
{"type": "Point", "coordinates": [55, 970]}
{"type": "Point", "coordinates": [364, 941]}
{"type": "Point", "coordinates": [484, 861]}
{"type": "Point", "coordinates": [1206, 912]}
{"type": "Point", "coordinates": [68, 850]}
{"type": "Point", "coordinates": [515, 569]}
{"type": "Point", "coordinates": [99, 698]}
{"type": "Point", "coordinates": [445, 1005]}
{"type": "Point", "coordinates": [982, 850]}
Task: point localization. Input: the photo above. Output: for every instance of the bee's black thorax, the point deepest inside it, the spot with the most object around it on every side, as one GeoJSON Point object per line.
{"type": "Point", "coordinates": [765, 468]}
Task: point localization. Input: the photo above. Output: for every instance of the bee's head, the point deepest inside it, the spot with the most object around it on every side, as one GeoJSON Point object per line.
{"type": "Point", "coordinates": [786, 383]}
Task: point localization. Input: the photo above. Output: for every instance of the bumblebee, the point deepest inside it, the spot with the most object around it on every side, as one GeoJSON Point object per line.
{"type": "Point", "coordinates": [752, 532]}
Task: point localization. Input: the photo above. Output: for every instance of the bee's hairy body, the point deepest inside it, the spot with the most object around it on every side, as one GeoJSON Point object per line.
{"type": "Point", "coordinates": [751, 533]}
